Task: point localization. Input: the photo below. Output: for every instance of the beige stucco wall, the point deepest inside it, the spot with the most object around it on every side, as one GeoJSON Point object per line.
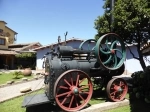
{"type": "Point", "coordinates": [2, 25]}
{"type": "Point", "coordinates": [9, 39]}
{"type": "Point", "coordinates": [12, 35]}
{"type": "Point", "coordinates": [6, 43]}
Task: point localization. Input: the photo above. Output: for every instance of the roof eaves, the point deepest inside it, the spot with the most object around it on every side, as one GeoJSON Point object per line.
{"type": "Point", "coordinates": [3, 22]}
{"type": "Point", "coordinates": [11, 29]}
{"type": "Point", "coordinates": [53, 44]}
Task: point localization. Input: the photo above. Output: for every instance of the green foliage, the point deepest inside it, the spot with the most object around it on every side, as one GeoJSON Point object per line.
{"type": "Point", "coordinates": [130, 16]}
{"type": "Point", "coordinates": [131, 22]}
{"type": "Point", "coordinates": [17, 74]}
{"type": "Point", "coordinates": [26, 55]}
{"type": "Point", "coordinates": [141, 84]}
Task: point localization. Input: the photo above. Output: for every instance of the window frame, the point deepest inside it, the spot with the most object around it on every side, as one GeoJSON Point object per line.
{"type": "Point", "coordinates": [2, 41]}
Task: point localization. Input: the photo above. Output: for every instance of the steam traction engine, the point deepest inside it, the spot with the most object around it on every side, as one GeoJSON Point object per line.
{"type": "Point", "coordinates": [72, 73]}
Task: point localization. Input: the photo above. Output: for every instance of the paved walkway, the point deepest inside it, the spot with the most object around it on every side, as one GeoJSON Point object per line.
{"type": "Point", "coordinates": [14, 90]}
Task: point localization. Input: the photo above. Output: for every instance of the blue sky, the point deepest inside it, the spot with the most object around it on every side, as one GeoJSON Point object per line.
{"type": "Point", "coordinates": [44, 20]}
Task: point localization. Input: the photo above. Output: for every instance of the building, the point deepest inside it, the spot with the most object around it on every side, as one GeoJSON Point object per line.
{"type": "Point", "coordinates": [7, 37]}
{"type": "Point", "coordinates": [74, 42]}
{"type": "Point", "coordinates": [131, 64]}
{"type": "Point", "coordinates": [24, 48]}
{"type": "Point", "coordinates": [8, 47]}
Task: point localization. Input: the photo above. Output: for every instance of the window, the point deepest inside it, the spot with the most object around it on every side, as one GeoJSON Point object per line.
{"type": "Point", "coordinates": [1, 31]}
{"type": "Point", "coordinates": [2, 41]}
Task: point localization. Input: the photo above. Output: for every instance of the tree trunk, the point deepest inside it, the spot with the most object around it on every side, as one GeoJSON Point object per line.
{"type": "Point", "coordinates": [141, 60]}
{"type": "Point", "coordinates": [138, 49]}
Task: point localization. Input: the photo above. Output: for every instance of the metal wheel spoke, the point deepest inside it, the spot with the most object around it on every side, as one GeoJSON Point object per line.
{"type": "Point", "coordinates": [65, 99]}
{"type": "Point", "coordinates": [108, 60]}
{"type": "Point", "coordinates": [72, 98]}
{"type": "Point", "coordinates": [81, 98]}
{"type": "Point", "coordinates": [115, 60]}
{"type": "Point", "coordinates": [107, 43]}
{"type": "Point", "coordinates": [77, 80]}
{"type": "Point", "coordinates": [113, 93]}
{"type": "Point", "coordinates": [104, 52]}
{"type": "Point", "coordinates": [93, 48]}
{"type": "Point", "coordinates": [121, 83]}
{"type": "Point", "coordinates": [67, 82]}
{"type": "Point", "coordinates": [120, 96]}
{"type": "Point", "coordinates": [63, 94]}
{"type": "Point", "coordinates": [119, 51]}
{"type": "Point", "coordinates": [71, 79]}
{"type": "Point", "coordinates": [63, 87]}
{"type": "Point", "coordinates": [112, 45]}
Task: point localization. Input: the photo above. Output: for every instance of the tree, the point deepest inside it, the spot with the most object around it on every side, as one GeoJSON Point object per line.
{"type": "Point", "coordinates": [131, 22]}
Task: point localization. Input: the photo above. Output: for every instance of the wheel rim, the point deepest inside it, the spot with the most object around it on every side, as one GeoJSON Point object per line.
{"type": "Point", "coordinates": [73, 90]}
{"type": "Point", "coordinates": [89, 47]}
{"type": "Point", "coordinates": [117, 89]}
{"type": "Point", "coordinates": [107, 54]}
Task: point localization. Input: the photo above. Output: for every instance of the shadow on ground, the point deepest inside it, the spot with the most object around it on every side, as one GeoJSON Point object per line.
{"type": "Point", "coordinates": [48, 107]}
{"type": "Point", "coordinates": [98, 96]}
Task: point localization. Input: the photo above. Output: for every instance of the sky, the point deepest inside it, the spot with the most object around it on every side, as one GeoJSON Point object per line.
{"type": "Point", "coordinates": [44, 20]}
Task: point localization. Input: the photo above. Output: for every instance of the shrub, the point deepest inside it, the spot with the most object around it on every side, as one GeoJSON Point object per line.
{"type": "Point", "coordinates": [17, 74]}
{"type": "Point", "coordinates": [141, 84]}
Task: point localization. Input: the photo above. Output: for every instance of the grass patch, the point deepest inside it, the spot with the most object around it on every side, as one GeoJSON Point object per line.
{"type": "Point", "coordinates": [136, 105]}
{"type": "Point", "coordinates": [120, 109]}
{"type": "Point", "coordinates": [14, 105]}
{"type": "Point", "coordinates": [12, 76]}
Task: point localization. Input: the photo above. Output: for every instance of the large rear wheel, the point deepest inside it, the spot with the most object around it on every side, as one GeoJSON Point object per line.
{"type": "Point", "coordinates": [73, 90]}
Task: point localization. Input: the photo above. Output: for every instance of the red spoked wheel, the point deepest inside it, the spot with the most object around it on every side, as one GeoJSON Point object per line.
{"type": "Point", "coordinates": [73, 90]}
{"type": "Point", "coordinates": [117, 89]}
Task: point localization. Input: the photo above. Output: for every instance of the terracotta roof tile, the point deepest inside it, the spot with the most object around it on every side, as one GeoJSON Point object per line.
{"type": "Point", "coordinates": [8, 52]}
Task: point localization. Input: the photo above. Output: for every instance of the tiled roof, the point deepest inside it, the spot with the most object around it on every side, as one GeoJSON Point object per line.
{"type": "Point", "coordinates": [8, 52]}
{"type": "Point", "coordinates": [53, 44]}
{"type": "Point", "coordinates": [22, 46]}
{"type": "Point", "coordinates": [146, 48]}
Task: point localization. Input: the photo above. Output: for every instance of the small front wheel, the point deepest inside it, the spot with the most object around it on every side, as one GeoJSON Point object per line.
{"type": "Point", "coordinates": [117, 89]}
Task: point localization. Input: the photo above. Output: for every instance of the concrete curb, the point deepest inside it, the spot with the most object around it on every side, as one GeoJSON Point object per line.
{"type": "Point", "coordinates": [105, 106]}
{"type": "Point", "coordinates": [19, 82]}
